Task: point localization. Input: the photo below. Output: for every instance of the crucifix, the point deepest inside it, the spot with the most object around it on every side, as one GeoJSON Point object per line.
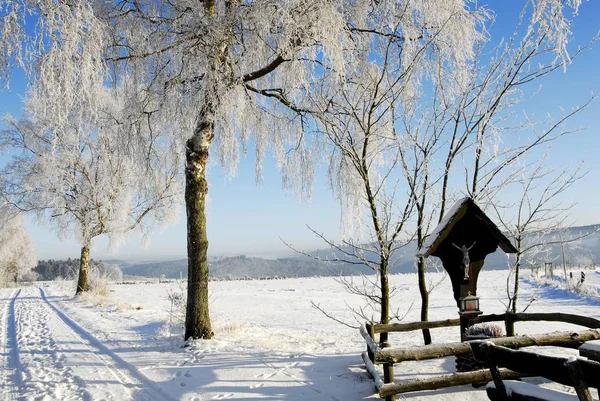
{"type": "Point", "coordinates": [466, 260]}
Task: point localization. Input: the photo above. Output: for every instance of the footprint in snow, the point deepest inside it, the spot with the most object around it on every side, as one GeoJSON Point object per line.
{"type": "Point", "coordinates": [223, 396]}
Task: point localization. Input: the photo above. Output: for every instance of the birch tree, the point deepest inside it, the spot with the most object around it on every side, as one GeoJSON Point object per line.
{"type": "Point", "coordinates": [225, 75]}
{"type": "Point", "coordinates": [83, 182]}
{"type": "Point", "coordinates": [215, 71]}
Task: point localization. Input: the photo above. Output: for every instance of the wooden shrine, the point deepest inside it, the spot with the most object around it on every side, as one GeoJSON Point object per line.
{"type": "Point", "coordinates": [462, 240]}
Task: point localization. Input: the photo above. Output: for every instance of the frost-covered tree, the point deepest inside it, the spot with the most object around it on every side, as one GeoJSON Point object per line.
{"type": "Point", "coordinates": [85, 180]}
{"type": "Point", "coordinates": [359, 118]}
{"type": "Point", "coordinates": [226, 75]}
{"type": "Point", "coordinates": [382, 125]}
{"type": "Point", "coordinates": [206, 71]}
{"type": "Point", "coordinates": [16, 253]}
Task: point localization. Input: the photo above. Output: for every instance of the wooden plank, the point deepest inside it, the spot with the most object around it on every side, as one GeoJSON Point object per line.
{"type": "Point", "coordinates": [388, 378]}
{"type": "Point", "coordinates": [434, 383]}
{"type": "Point", "coordinates": [412, 326]}
{"type": "Point", "coordinates": [371, 332]}
{"type": "Point", "coordinates": [584, 321]}
{"type": "Point", "coordinates": [584, 373]}
{"type": "Point", "coordinates": [484, 348]}
{"type": "Point", "coordinates": [563, 339]}
{"type": "Point", "coordinates": [550, 367]}
{"type": "Point", "coordinates": [590, 351]}
{"type": "Point", "coordinates": [576, 374]}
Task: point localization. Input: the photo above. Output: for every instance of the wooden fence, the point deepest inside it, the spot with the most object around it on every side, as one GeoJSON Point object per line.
{"type": "Point", "coordinates": [380, 353]}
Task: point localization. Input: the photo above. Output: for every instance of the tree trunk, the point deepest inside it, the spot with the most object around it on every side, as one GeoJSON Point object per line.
{"type": "Point", "coordinates": [424, 299]}
{"type": "Point", "coordinates": [13, 270]}
{"type": "Point", "coordinates": [197, 319]}
{"type": "Point", "coordinates": [385, 294]}
{"type": "Point", "coordinates": [517, 275]}
{"type": "Point", "coordinates": [385, 300]}
{"type": "Point", "coordinates": [84, 264]}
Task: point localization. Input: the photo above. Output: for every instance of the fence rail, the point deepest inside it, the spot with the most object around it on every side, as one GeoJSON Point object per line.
{"type": "Point", "coordinates": [381, 353]}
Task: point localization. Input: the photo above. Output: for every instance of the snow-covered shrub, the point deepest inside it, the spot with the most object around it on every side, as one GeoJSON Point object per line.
{"type": "Point", "coordinates": [484, 330]}
{"type": "Point", "coordinates": [29, 276]}
{"type": "Point", "coordinates": [101, 274]}
{"type": "Point", "coordinates": [175, 323]}
{"type": "Point", "coordinates": [107, 271]}
{"type": "Point", "coordinates": [585, 289]}
{"type": "Point", "coordinates": [98, 285]}
{"type": "Point", "coordinates": [573, 285]}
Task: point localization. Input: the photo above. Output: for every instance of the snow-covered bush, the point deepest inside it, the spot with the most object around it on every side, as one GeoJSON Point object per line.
{"type": "Point", "coordinates": [484, 330]}
{"type": "Point", "coordinates": [569, 284]}
{"type": "Point", "coordinates": [98, 286]}
{"type": "Point", "coordinates": [101, 274]}
{"type": "Point", "coordinates": [175, 323]}
{"type": "Point", "coordinates": [107, 271]}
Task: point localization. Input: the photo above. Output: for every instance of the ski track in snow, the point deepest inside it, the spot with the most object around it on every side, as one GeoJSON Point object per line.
{"type": "Point", "coordinates": [47, 356]}
{"type": "Point", "coordinates": [10, 374]}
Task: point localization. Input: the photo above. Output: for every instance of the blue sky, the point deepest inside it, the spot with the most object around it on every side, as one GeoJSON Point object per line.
{"type": "Point", "coordinates": [247, 218]}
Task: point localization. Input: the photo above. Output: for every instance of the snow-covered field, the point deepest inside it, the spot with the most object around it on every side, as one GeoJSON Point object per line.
{"type": "Point", "coordinates": [270, 344]}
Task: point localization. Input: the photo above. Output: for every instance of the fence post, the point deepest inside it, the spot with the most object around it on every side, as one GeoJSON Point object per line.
{"type": "Point", "coordinates": [388, 369]}
{"type": "Point", "coordinates": [371, 330]}
{"type": "Point", "coordinates": [509, 324]}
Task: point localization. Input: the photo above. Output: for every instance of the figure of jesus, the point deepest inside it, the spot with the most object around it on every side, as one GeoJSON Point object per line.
{"type": "Point", "coordinates": [466, 260]}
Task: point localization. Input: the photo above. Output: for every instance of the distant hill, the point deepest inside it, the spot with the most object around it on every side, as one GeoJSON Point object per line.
{"type": "Point", "coordinates": [582, 251]}
{"type": "Point", "coordinates": [243, 266]}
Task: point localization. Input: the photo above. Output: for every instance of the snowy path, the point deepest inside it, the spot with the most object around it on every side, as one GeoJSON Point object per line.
{"type": "Point", "coordinates": [270, 344]}
{"type": "Point", "coordinates": [47, 356]}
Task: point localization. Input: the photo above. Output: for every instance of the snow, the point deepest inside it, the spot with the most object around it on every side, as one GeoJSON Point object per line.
{"type": "Point", "coordinates": [269, 343]}
{"type": "Point", "coordinates": [536, 391]}
{"type": "Point", "coordinates": [441, 226]}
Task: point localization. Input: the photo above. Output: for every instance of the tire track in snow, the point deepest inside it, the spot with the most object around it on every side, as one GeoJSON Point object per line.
{"type": "Point", "coordinates": [123, 371]}
{"type": "Point", "coordinates": [11, 380]}
{"type": "Point", "coordinates": [44, 374]}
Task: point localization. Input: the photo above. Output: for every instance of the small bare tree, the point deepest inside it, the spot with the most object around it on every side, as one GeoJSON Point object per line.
{"type": "Point", "coordinates": [540, 212]}
{"type": "Point", "coordinates": [357, 121]}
